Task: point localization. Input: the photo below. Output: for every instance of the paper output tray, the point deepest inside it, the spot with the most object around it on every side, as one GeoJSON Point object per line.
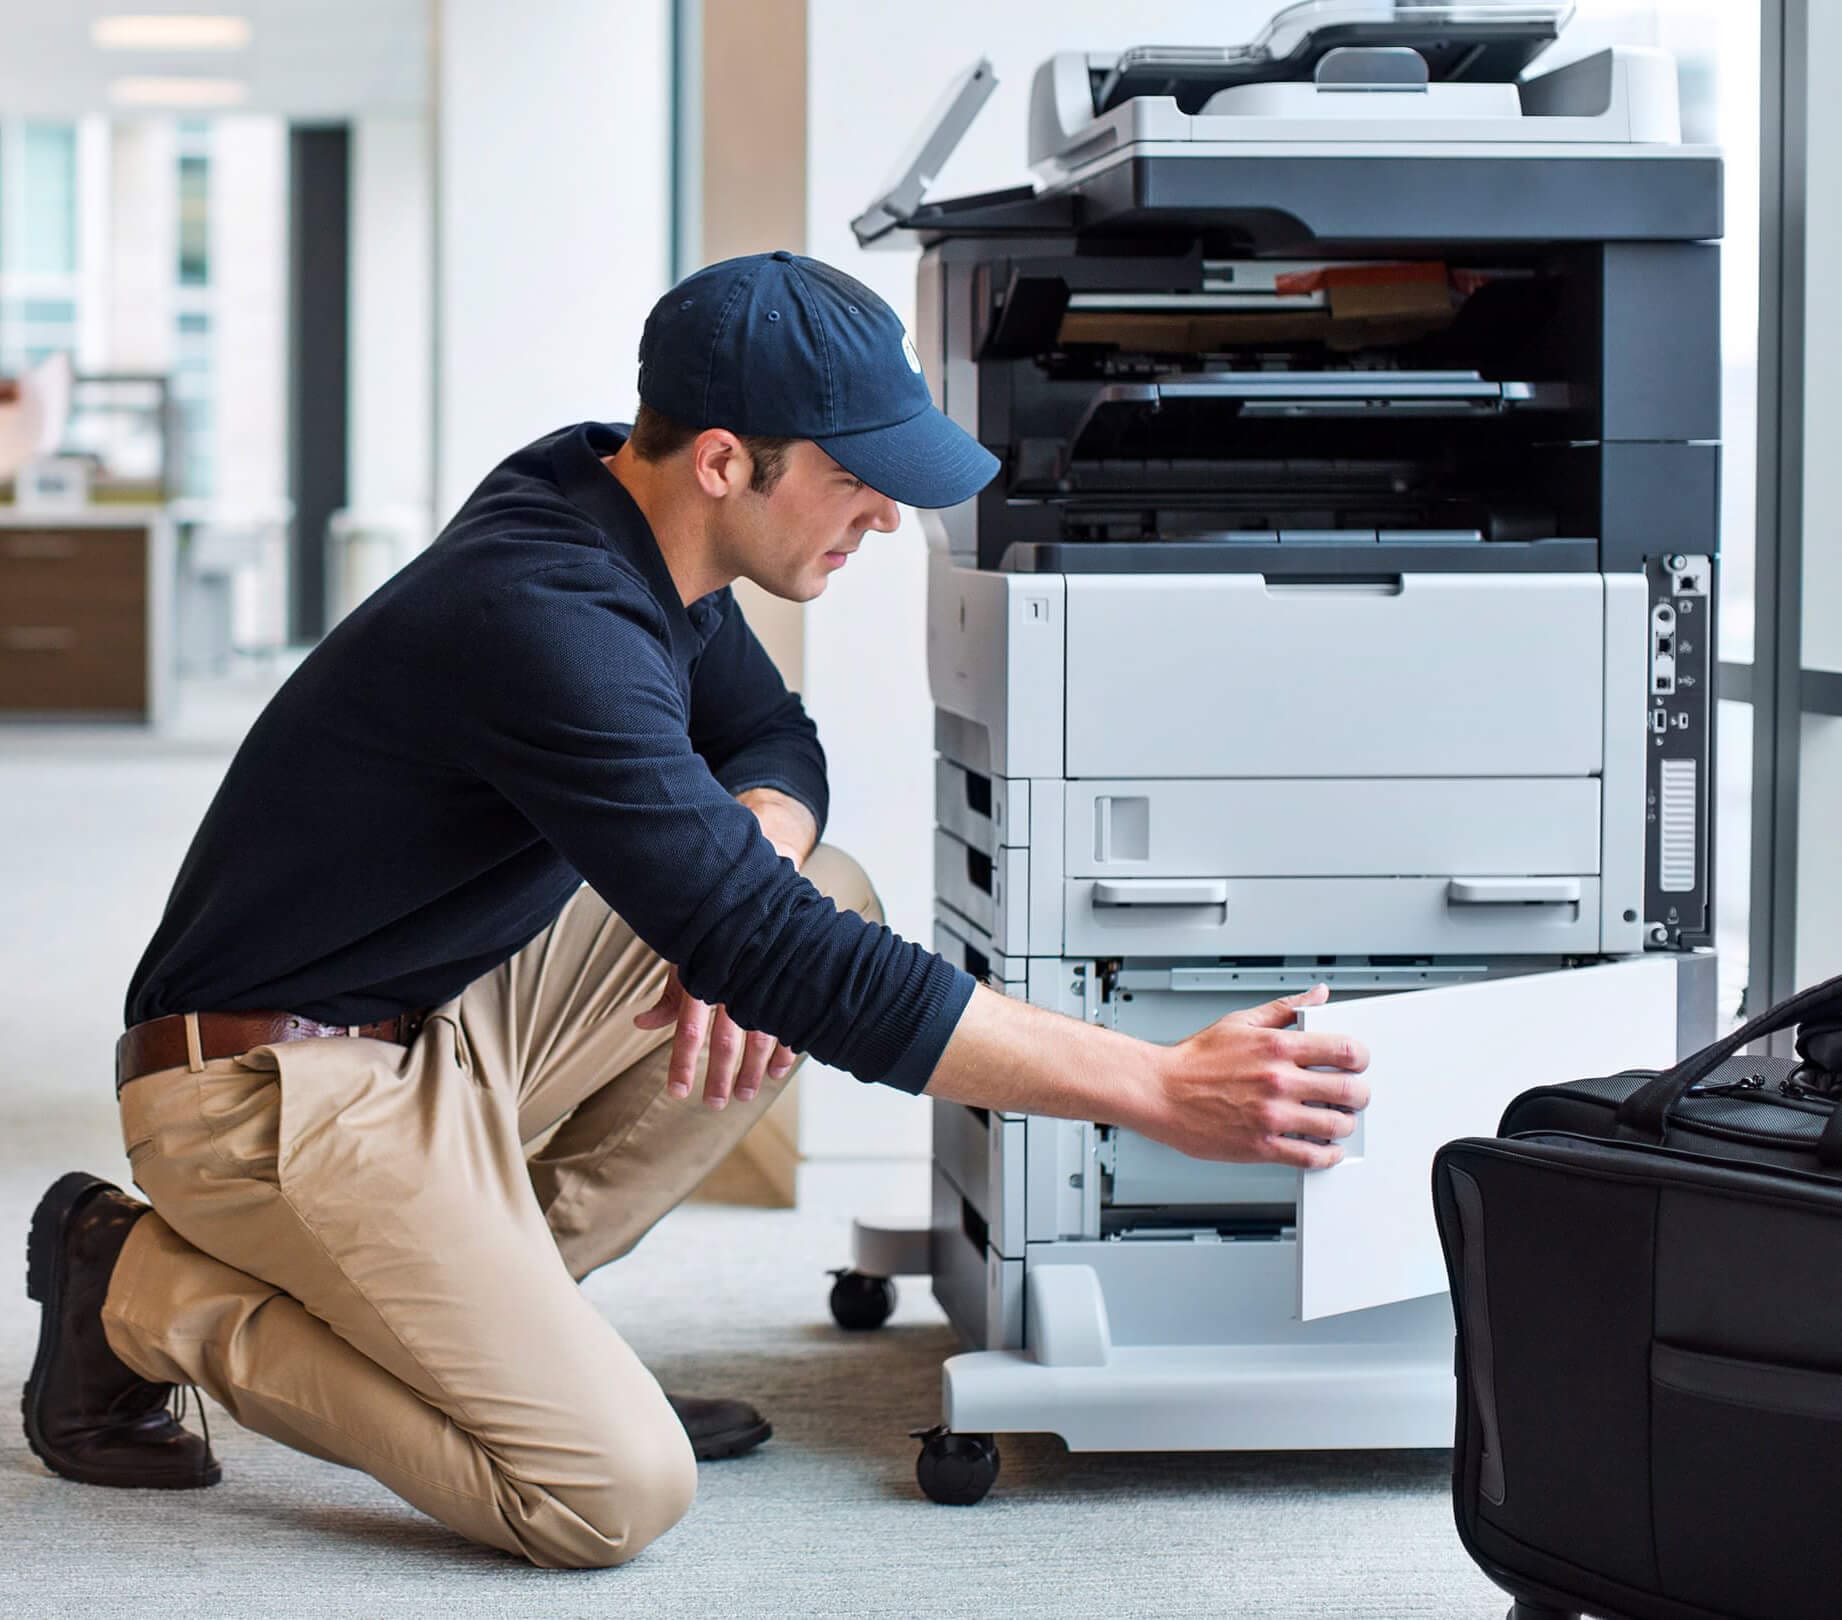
{"type": "Point", "coordinates": [1329, 393]}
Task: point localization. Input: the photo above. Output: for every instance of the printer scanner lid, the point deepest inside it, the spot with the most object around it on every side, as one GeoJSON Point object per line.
{"type": "Point", "coordinates": [1482, 41]}
{"type": "Point", "coordinates": [1324, 79]}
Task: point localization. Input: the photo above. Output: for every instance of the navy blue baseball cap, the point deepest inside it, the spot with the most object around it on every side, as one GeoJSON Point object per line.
{"type": "Point", "coordinates": [784, 346]}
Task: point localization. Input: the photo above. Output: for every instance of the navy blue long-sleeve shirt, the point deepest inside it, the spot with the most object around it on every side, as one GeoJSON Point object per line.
{"type": "Point", "coordinates": [526, 706]}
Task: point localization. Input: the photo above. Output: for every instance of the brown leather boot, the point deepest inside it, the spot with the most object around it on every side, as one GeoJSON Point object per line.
{"type": "Point", "coordinates": [718, 1426]}
{"type": "Point", "coordinates": [89, 1416]}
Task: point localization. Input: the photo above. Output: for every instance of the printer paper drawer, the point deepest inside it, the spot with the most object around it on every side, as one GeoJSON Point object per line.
{"type": "Point", "coordinates": [1429, 675]}
{"type": "Point", "coordinates": [1375, 827]}
{"type": "Point", "coordinates": [993, 893]}
{"type": "Point", "coordinates": [965, 947]}
{"type": "Point", "coordinates": [989, 890]}
{"type": "Point", "coordinates": [982, 1154]}
{"type": "Point", "coordinates": [1512, 915]}
{"type": "Point", "coordinates": [980, 1290]}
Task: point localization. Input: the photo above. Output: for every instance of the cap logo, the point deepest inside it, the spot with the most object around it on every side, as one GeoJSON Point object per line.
{"type": "Point", "coordinates": [908, 353]}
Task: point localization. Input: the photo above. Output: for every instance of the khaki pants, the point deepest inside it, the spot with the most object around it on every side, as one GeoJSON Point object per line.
{"type": "Point", "coordinates": [352, 1252]}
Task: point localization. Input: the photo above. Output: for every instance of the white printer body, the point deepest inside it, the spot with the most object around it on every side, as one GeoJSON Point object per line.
{"type": "Point", "coordinates": [1343, 612]}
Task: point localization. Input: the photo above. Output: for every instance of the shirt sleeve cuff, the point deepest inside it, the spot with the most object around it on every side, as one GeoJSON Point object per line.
{"type": "Point", "coordinates": [948, 990]}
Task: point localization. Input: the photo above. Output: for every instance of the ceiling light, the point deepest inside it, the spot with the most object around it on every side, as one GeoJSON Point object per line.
{"type": "Point", "coordinates": [174, 33]}
{"type": "Point", "coordinates": [166, 92]}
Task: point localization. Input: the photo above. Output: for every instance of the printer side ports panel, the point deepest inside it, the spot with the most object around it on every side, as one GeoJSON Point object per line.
{"type": "Point", "coordinates": [1679, 779]}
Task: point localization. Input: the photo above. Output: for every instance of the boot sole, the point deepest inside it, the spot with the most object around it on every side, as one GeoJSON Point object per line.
{"type": "Point", "coordinates": [733, 1442]}
{"type": "Point", "coordinates": [45, 1284]}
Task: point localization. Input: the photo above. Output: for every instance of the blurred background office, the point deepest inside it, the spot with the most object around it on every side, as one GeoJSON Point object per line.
{"type": "Point", "coordinates": [278, 284]}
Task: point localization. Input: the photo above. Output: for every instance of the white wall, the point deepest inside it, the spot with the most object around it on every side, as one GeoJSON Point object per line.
{"type": "Point", "coordinates": [552, 219]}
{"type": "Point", "coordinates": [144, 244]}
{"type": "Point", "coordinates": [249, 303]}
{"type": "Point", "coordinates": [391, 453]}
{"type": "Point", "coordinates": [95, 205]}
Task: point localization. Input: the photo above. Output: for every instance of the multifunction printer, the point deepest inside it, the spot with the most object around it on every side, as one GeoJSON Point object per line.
{"type": "Point", "coordinates": [1343, 612]}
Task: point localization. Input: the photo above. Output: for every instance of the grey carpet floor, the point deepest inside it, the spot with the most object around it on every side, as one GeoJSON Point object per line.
{"type": "Point", "coordinates": [722, 1297]}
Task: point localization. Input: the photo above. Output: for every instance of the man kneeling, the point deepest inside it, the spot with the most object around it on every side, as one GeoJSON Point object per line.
{"type": "Point", "coordinates": [531, 836]}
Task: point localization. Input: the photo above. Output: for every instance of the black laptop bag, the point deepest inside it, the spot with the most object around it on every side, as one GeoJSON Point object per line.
{"type": "Point", "coordinates": [1646, 1277]}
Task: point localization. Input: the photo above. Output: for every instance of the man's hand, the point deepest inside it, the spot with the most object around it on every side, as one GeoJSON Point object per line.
{"type": "Point", "coordinates": [1247, 1087]}
{"type": "Point", "coordinates": [738, 1057]}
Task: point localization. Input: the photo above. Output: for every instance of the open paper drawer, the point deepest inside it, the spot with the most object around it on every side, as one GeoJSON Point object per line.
{"type": "Point", "coordinates": [1443, 1064]}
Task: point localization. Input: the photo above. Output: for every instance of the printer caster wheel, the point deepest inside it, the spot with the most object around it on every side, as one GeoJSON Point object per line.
{"type": "Point", "coordinates": [956, 1469]}
{"type": "Point", "coordinates": [860, 1302]}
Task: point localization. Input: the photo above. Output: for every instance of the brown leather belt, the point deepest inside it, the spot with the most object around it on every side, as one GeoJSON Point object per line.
{"type": "Point", "coordinates": [160, 1043]}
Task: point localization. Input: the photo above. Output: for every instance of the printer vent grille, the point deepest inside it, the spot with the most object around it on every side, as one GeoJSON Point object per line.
{"type": "Point", "coordinates": [1676, 814]}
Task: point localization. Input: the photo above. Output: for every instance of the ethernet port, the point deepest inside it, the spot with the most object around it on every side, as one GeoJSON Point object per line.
{"type": "Point", "coordinates": [1666, 644]}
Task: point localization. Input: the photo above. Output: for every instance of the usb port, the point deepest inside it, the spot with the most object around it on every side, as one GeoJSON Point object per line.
{"type": "Point", "coordinates": [1663, 674]}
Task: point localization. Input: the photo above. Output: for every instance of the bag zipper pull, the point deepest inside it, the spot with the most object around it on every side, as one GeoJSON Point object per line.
{"type": "Point", "coordinates": [1746, 1082]}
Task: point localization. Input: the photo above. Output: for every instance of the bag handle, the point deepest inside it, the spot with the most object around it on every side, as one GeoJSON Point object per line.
{"type": "Point", "coordinates": [1829, 1144]}
{"type": "Point", "coordinates": [1645, 1113]}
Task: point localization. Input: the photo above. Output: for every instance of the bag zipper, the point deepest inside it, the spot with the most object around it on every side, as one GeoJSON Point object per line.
{"type": "Point", "coordinates": [1727, 1088]}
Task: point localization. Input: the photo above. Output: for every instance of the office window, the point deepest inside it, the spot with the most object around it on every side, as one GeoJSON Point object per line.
{"type": "Point", "coordinates": [192, 395]}
{"type": "Point", "coordinates": [194, 217]}
{"type": "Point", "coordinates": [38, 242]}
{"type": "Point", "coordinates": [47, 216]}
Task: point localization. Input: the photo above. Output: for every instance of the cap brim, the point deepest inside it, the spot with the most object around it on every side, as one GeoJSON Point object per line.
{"type": "Point", "coordinates": [927, 461]}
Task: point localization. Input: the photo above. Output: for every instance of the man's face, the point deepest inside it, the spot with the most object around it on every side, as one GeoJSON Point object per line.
{"type": "Point", "coordinates": [791, 540]}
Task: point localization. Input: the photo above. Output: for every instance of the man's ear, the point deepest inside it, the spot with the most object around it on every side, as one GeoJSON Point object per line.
{"type": "Point", "coordinates": [720, 463]}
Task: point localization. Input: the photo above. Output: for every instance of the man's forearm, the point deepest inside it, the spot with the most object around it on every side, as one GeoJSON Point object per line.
{"type": "Point", "coordinates": [1010, 1056]}
{"type": "Point", "coordinates": [1247, 1088]}
{"type": "Point", "coordinates": [788, 824]}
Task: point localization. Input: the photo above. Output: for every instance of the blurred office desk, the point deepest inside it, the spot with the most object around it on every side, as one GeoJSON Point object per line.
{"type": "Point", "coordinates": [85, 613]}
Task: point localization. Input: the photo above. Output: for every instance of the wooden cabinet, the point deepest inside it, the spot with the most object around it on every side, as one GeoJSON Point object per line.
{"type": "Point", "coordinates": [76, 617]}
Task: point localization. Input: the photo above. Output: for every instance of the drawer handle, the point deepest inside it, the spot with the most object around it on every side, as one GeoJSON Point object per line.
{"type": "Point", "coordinates": [41, 547]}
{"type": "Point", "coordinates": [1152, 892]}
{"type": "Point", "coordinates": [1513, 892]}
{"type": "Point", "coordinates": [38, 638]}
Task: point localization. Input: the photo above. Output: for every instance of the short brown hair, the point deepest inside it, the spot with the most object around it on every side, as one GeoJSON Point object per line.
{"type": "Point", "coordinates": [656, 436]}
